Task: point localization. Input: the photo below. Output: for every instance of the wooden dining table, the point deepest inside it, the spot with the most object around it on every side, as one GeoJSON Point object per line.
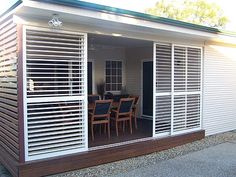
{"type": "Point", "coordinates": [92, 105]}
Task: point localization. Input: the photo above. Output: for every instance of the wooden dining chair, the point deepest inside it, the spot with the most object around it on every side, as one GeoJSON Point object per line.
{"type": "Point", "coordinates": [100, 115]}
{"type": "Point", "coordinates": [135, 108]}
{"type": "Point", "coordinates": [123, 113]}
{"type": "Point", "coordinates": [93, 98]}
{"type": "Point", "coordinates": [91, 101]}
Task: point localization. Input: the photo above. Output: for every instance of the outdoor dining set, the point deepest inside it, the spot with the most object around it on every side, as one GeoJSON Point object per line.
{"type": "Point", "coordinates": [120, 110]}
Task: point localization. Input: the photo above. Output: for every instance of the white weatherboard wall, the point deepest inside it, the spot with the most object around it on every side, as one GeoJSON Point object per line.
{"type": "Point", "coordinates": [219, 100]}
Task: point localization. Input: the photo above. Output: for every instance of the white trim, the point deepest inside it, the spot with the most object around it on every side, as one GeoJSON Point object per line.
{"type": "Point", "coordinates": [186, 131]}
{"type": "Point", "coordinates": [86, 90]}
{"type": "Point", "coordinates": [141, 90]}
{"type": "Point", "coordinates": [172, 89]}
{"type": "Point", "coordinates": [163, 94]}
{"type": "Point", "coordinates": [24, 80]}
{"type": "Point", "coordinates": [123, 73]}
{"type": "Point", "coordinates": [202, 87]}
{"type": "Point", "coordinates": [154, 91]}
{"type": "Point", "coordinates": [186, 78]}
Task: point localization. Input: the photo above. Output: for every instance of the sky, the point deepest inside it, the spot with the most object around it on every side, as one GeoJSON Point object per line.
{"type": "Point", "coordinates": [228, 7]}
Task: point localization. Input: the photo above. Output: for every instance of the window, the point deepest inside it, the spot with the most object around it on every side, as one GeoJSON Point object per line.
{"type": "Point", "coordinates": [113, 75]}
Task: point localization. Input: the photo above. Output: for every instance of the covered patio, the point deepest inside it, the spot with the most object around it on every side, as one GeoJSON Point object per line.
{"type": "Point", "coordinates": [119, 65]}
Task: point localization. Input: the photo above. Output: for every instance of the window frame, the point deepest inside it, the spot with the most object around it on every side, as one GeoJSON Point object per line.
{"type": "Point", "coordinates": [122, 75]}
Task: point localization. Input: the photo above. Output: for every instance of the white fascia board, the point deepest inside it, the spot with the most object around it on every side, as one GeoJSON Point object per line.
{"type": "Point", "coordinates": [221, 38]}
{"type": "Point", "coordinates": [12, 12]}
{"type": "Point", "coordinates": [115, 18]}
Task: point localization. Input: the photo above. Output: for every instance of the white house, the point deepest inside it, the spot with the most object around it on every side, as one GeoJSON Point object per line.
{"type": "Point", "coordinates": [53, 53]}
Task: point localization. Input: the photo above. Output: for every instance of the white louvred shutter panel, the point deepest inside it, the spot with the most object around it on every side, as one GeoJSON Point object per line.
{"type": "Point", "coordinates": [187, 89]}
{"type": "Point", "coordinates": [177, 89]}
{"type": "Point", "coordinates": [162, 98]}
{"type": "Point", "coordinates": [55, 71]}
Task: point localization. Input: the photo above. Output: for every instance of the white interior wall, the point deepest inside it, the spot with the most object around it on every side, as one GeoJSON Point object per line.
{"type": "Point", "coordinates": [134, 57]}
{"type": "Point", "coordinates": [132, 60]}
{"type": "Point", "coordinates": [99, 57]}
{"type": "Point", "coordinates": [219, 98]}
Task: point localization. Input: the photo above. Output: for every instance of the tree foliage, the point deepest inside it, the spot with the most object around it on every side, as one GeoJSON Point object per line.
{"type": "Point", "coordinates": [194, 11]}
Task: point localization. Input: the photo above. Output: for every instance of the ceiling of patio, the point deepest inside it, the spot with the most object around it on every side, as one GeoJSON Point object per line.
{"type": "Point", "coordinates": [117, 41]}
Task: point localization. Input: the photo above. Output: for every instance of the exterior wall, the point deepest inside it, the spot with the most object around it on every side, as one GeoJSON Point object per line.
{"type": "Point", "coordinates": [219, 98]}
{"type": "Point", "coordinates": [99, 57]}
{"type": "Point", "coordinates": [9, 140]}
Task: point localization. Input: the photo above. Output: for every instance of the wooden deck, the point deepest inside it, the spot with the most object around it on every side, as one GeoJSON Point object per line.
{"type": "Point", "coordinates": [144, 130]}
{"type": "Point", "coordinates": [97, 157]}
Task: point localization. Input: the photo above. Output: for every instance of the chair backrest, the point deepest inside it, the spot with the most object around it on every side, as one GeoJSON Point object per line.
{"type": "Point", "coordinates": [116, 98]}
{"type": "Point", "coordinates": [102, 107]}
{"type": "Point", "coordinates": [108, 96]}
{"type": "Point", "coordinates": [136, 99]}
{"type": "Point", "coordinates": [93, 98]}
{"type": "Point", "coordinates": [126, 105]}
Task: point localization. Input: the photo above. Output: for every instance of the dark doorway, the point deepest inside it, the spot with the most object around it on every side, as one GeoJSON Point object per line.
{"type": "Point", "coordinates": [147, 88]}
{"type": "Point", "coordinates": [90, 78]}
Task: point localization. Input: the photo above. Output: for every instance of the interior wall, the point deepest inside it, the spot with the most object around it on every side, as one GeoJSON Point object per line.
{"type": "Point", "coordinates": [134, 57]}
{"type": "Point", "coordinates": [99, 57]}
{"type": "Point", "coordinates": [132, 72]}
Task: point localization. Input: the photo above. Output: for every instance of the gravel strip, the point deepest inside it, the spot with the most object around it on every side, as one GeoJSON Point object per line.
{"type": "Point", "coordinates": [123, 166]}
{"type": "Point", "coordinates": [110, 169]}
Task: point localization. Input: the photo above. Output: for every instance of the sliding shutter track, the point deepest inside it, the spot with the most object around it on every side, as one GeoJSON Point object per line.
{"type": "Point", "coordinates": [163, 89]}
{"type": "Point", "coordinates": [56, 93]}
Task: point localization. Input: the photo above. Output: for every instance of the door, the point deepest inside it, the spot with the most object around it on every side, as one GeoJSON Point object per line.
{"type": "Point", "coordinates": [55, 91]}
{"type": "Point", "coordinates": [147, 88]}
{"type": "Point", "coordinates": [90, 77]}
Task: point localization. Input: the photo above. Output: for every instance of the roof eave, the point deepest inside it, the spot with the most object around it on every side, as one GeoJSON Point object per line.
{"type": "Point", "coordinates": [17, 3]}
{"type": "Point", "coordinates": [132, 14]}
